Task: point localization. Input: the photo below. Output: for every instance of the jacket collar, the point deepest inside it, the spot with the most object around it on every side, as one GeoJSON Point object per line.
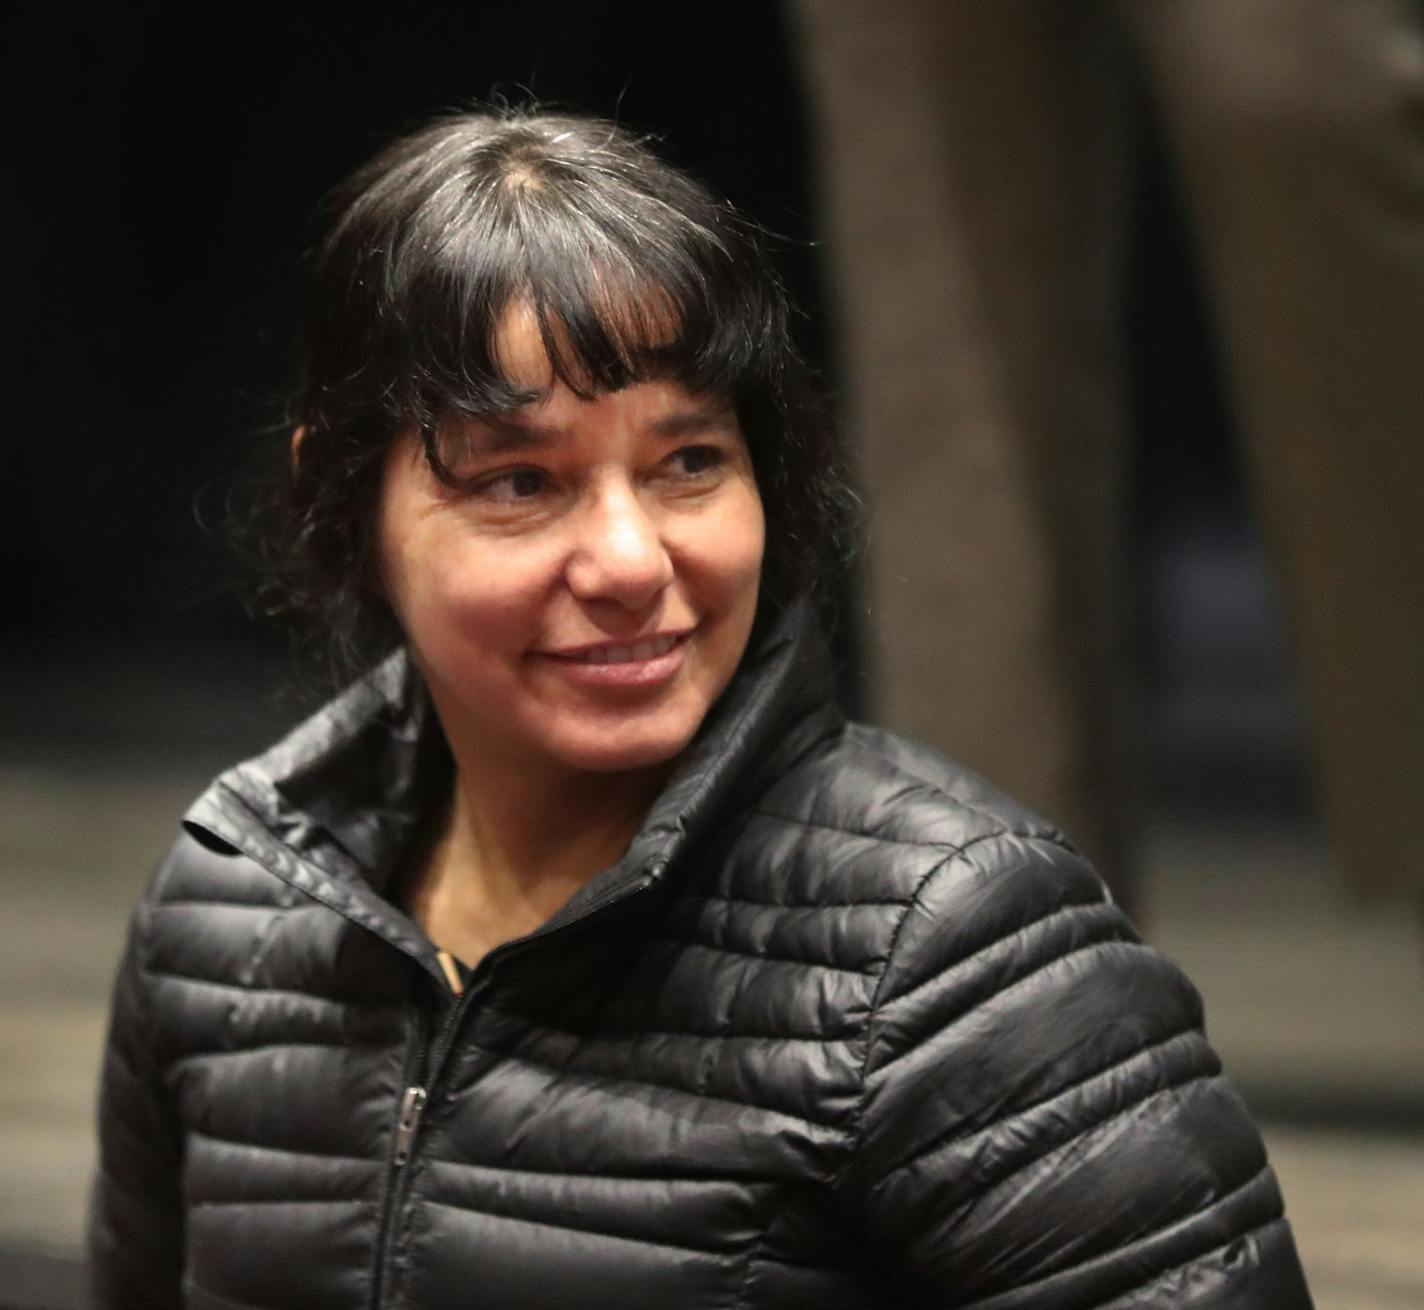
{"type": "Point", "coordinates": [332, 807]}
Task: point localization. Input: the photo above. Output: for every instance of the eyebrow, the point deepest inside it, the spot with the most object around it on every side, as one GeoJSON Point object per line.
{"type": "Point", "coordinates": [496, 435]}
{"type": "Point", "coordinates": [688, 422]}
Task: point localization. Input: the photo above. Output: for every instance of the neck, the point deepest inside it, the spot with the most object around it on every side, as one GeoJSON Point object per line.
{"type": "Point", "coordinates": [527, 836]}
{"type": "Point", "coordinates": [514, 846]}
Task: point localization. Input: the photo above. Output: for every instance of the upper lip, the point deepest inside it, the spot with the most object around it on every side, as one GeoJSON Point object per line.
{"type": "Point", "coordinates": [572, 652]}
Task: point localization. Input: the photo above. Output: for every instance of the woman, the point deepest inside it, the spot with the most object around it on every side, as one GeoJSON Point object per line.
{"type": "Point", "coordinates": [581, 954]}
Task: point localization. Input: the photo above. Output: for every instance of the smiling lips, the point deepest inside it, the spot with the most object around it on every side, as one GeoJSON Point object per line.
{"type": "Point", "coordinates": [637, 664]}
{"type": "Point", "coordinates": [648, 649]}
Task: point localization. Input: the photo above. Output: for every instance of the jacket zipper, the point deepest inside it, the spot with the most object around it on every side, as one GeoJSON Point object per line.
{"type": "Point", "coordinates": [424, 1069]}
{"type": "Point", "coordinates": [412, 1106]}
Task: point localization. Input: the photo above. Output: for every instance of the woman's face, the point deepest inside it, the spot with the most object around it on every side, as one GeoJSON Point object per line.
{"type": "Point", "coordinates": [586, 594]}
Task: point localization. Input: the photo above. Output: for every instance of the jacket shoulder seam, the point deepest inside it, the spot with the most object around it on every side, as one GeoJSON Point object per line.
{"type": "Point", "coordinates": [954, 855]}
{"type": "Point", "coordinates": [1113, 937]}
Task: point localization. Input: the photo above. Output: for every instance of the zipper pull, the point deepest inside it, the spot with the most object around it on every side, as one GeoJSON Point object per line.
{"type": "Point", "coordinates": [412, 1106]}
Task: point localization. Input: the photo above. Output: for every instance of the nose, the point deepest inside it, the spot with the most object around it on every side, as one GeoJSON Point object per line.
{"type": "Point", "coordinates": [619, 555]}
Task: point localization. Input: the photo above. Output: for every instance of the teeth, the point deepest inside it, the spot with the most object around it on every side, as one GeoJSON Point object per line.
{"type": "Point", "coordinates": [640, 650]}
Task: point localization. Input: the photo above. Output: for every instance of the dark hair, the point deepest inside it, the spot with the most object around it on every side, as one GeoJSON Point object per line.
{"type": "Point", "coordinates": [633, 270]}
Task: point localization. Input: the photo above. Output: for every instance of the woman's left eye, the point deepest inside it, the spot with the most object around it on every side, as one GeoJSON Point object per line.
{"type": "Point", "coordinates": [696, 461]}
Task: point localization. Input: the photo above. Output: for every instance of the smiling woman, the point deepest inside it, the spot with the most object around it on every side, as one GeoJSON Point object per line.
{"type": "Point", "coordinates": [580, 953]}
{"type": "Point", "coordinates": [583, 592]}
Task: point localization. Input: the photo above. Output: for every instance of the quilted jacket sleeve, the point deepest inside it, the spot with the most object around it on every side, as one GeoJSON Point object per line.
{"type": "Point", "coordinates": [135, 1219]}
{"type": "Point", "coordinates": [1044, 1126]}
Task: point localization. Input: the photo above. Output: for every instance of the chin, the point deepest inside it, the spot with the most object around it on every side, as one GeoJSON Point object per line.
{"type": "Point", "coordinates": [624, 752]}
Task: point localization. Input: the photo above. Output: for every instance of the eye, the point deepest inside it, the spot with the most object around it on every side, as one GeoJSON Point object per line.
{"type": "Point", "coordinates": [514, 486]}
{"type": "Point", "coordinates": [696, 461]}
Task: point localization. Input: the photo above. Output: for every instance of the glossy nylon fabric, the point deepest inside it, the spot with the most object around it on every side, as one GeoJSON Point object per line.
{"type": "Point", "coordinates": [845, 1028]}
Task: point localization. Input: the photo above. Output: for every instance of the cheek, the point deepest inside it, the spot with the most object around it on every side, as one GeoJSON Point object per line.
{"type": "Point", "coordinates": [445, 590]}
{"type": "Point", "coordinates": [449, 588]}
{"type": "Point", "coordinates": [749, 536]}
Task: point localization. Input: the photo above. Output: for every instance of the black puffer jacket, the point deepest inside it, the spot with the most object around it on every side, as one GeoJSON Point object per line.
{"type": "Point", "coordinates": [845, 1028]}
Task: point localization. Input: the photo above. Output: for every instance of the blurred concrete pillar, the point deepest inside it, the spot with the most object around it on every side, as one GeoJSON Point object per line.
{"type": "Point", "coordinates": [971, 175]}
{"type": "Point", "coordinates": [973, 163]}
{"type": "Point", "coordinates": [1298, 129]}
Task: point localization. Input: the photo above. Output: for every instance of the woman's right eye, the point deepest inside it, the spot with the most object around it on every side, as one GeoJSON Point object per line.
{"type": "Point", "coordinates": [514, 486]}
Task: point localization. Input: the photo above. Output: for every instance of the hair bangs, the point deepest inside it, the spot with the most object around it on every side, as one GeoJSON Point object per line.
{"type": "Point", "coordinates": [618, 295]}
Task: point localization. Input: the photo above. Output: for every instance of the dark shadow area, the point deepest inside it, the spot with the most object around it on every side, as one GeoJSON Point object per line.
{"type": "Point", "coordinates": [1226, 722]}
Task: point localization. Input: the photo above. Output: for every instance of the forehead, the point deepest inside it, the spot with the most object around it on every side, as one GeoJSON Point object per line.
{"type": "Point", "coordinates": [518, 348]}
{"type": "Point", "coordinates": [635, 324]}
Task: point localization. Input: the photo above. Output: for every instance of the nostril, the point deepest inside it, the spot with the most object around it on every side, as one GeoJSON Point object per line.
{"type": "Point", "coordinates": [631, 577]}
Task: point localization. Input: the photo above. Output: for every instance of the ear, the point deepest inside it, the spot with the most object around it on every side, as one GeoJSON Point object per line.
{"type": "Point", "coordinates": [299, 434]}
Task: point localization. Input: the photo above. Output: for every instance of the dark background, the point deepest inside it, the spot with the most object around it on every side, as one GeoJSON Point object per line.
{"type": "Point", "coordinates": [161, 184]}
{"type": "Point", "coordinates": [163, 165]}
